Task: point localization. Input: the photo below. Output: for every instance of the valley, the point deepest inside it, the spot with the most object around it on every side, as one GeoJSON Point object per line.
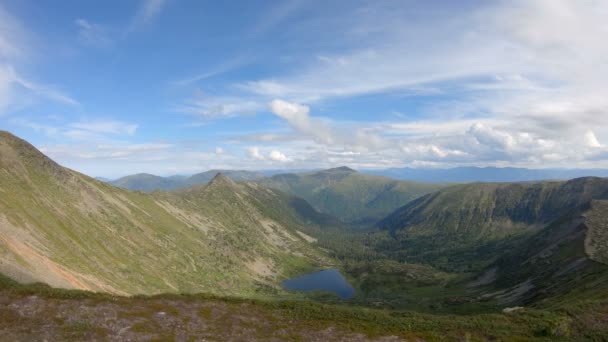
{"type": "Point", "coordinates": [291, 170]}
{"type": "Point", "coordinates": [476, 261]}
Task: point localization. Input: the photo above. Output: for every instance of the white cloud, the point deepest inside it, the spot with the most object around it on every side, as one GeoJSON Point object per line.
{"type": "Point", "coordinates": [92, 34]}
{"type": "Point", "coordinates": [521, 44]}
{"type": "Point", "coordinates": [6, 88]}
{"type": "Point", "coordinates": [518, 83]}
{"type": "Point", "coordinates": [106, 127]}
{"type": "Point", "coordinates": [278, 156]}
{"type": "Point", "coordinates": [389, 62]}
{"type": "Point", "coordinates": [279, 12]}
{"type": "Point", "coordinates": [45, 91]}
{"type": "Point", "coordinates": [297, 116]}
{"type": "Point", "coordinates": [491, 137]}
{"type": "Point", "coordinates": [121, 158]}
{"type": "Point", "coordinates": [147, 147]}
{"type": "Point", "coordinates": [37, 127]}
{"type": "Point", "coordinates": [526, 72]}
{"type": "Point", "coordinates": [224, 67]}
{"type": "Point", "coordinates": [269, 137]}
{"type": "Point", "coordinates": [254, 153]}
{"type": "Point", "coordinates": [430, 151]}
{"type": "Point", "coordinates": [12, 35]}
{"type": "Point", "coordinates": [450, 143]}
{"type": "Point", "coordinates": [205, 106]}
{"type": "Point", "coordinates": [148, 10]}
{"type": "Point", "coordinates": [84, 131]}
{"type": "Point", "coordinates": [17, 90]}
{"type": "Point", "coordinates": [11, 49]}
{"type": "Point", "coordinates": [591, 140]}
{"type": "Point", "coordinates": [525, 77]}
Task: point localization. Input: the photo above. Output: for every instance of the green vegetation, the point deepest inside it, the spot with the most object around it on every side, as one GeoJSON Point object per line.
{"type": "Point", "coordinates": [34, 311]}
{"type": "Point", "coordinates": [71, 231]}
{"type": "Point", "coordinates": [207, 261]}
{"type": "Point", "coordinates": [466, 227]}
{"type": "Point", "coordinates": [348, 195]}
{"type": "Point", "coordinates": [504, 244]}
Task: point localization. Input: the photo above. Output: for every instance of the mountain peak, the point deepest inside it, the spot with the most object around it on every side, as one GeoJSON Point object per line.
{"type": "Point", "coordinates": [143, 174]}
{"type": "Point", "coordinates": [16, 143]}
{"type": "Point", "coordinates": [340, 169]}
{"type": "Point", "coordinates": [18, 154]}
{"type": "Point", "coordinates": [221, 179]}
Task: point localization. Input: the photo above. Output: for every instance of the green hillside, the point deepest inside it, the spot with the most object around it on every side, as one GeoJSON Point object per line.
{"type": "Point", "coordinates": [68, 230]}
{"type": "Point", "coordinates": [465, 226]}
{"type": "Point", "coordinates": [348, 195]}
{"type": "Point", "coordinates": [565, 261]}
{"type": "Point", "coordinates": [442, 267]}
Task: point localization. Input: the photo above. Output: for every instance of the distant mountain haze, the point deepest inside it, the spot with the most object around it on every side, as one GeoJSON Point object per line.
{"type": "Point", "coordinates": [486, 174]}
{"type": "Point", "coordinates": [148, 182]}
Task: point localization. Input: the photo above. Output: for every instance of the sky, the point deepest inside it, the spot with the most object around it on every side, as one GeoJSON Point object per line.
{"type": "Point", "coordinates": [117, 87]}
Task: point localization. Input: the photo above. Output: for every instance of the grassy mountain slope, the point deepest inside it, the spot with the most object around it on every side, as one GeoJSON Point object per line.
{"type": "Point", "coordinates": [542, 244]}
{"type": "Point", "coordinates": [68, 230]}
{"type": "Point", "coordinates": [147, 182]}
{"type": "Point", "coordinates": [349, 195]}
{"type": "Point", "coordinates": [564, 261]}
{"type": "Point", "coordinates": [463, 224]}
{"type": "Point", "coordinates": [491, 208]}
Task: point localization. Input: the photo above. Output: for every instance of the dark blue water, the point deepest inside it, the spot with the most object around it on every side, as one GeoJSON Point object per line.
{"type": "Point", "coordinates": [327, 280]}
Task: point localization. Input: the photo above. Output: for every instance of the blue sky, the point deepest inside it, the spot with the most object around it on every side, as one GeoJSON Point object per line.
{"type": "Point", "coordinates": [175, 87]}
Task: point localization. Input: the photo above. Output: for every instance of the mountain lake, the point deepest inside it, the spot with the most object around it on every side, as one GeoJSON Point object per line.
{"type": "Point", "coordinates": [327, 280]}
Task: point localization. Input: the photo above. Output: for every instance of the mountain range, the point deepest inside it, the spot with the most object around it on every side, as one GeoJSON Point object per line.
{"type": "Point", "coordinates": [526, 241]}
{"type": "Point", "coordinates": [537, 248]}
{"type": "Point", "coordinates": [485, 174]}
{"type": "Point", "coordinates": [342, 192]}
{"type": "Point", "coordinates": [148, 182]}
